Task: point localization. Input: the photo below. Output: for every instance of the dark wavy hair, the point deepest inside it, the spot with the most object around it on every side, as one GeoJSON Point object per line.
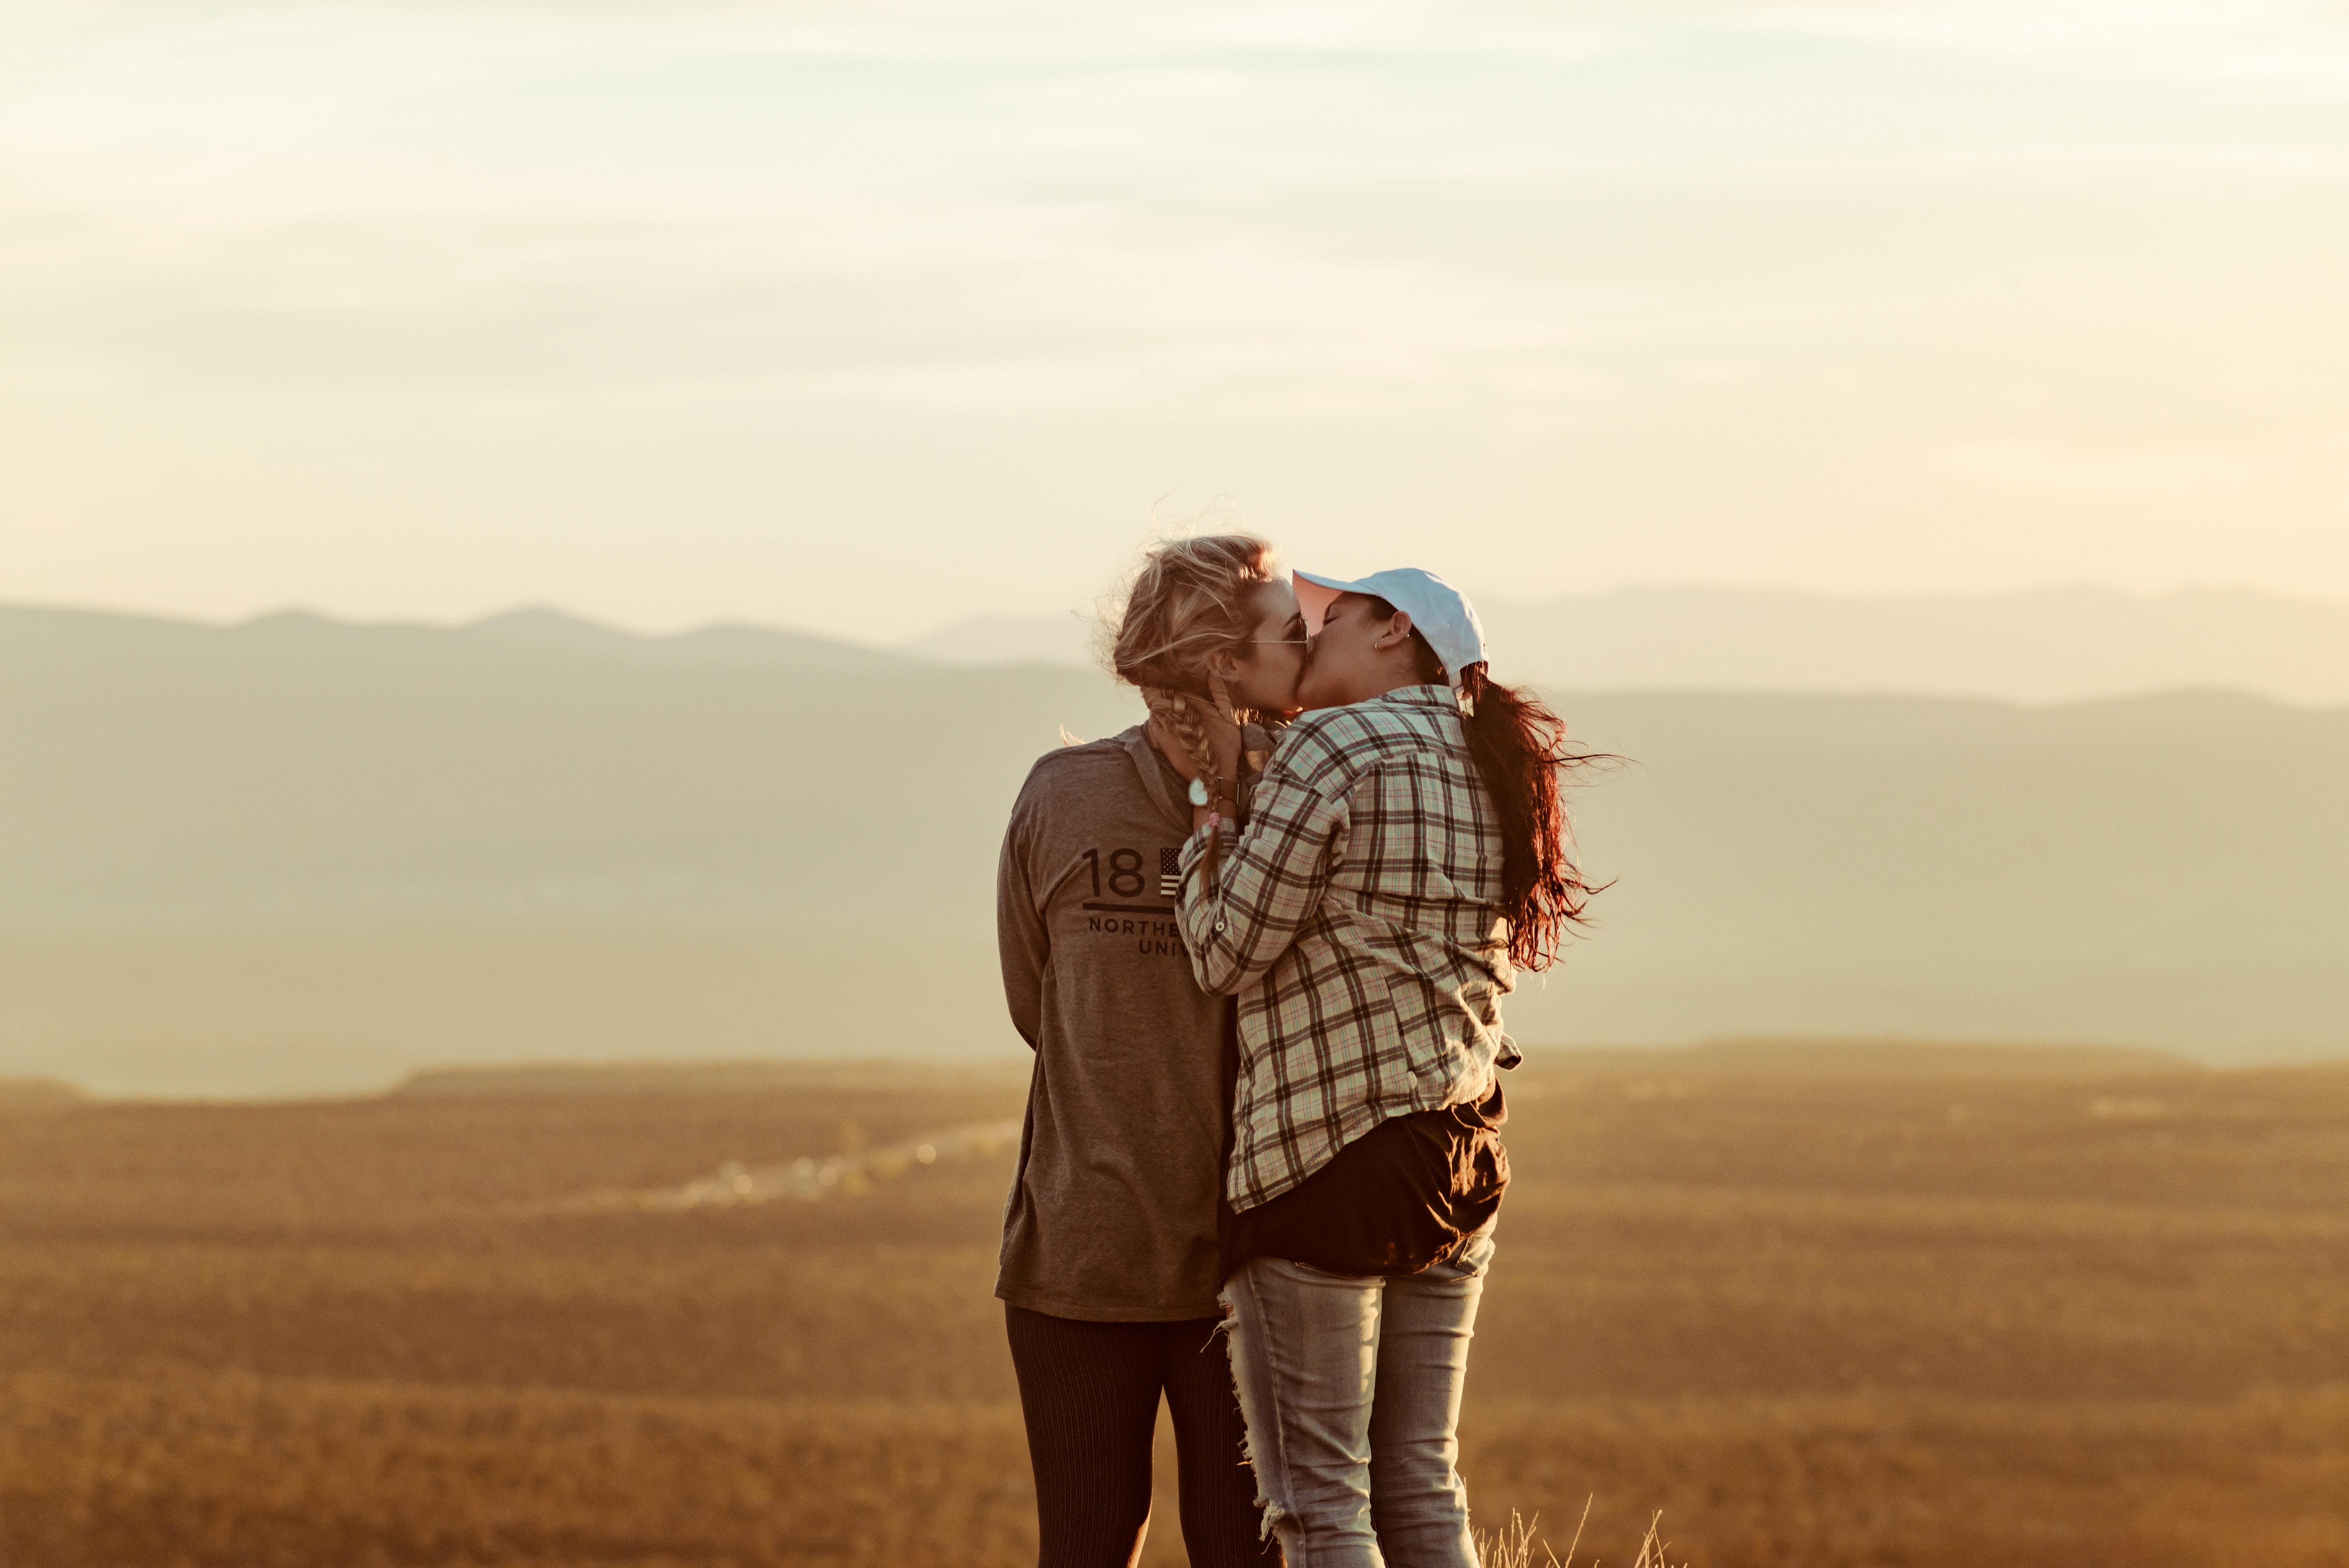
{"type": "Point", "coordinates": [1522, 757]}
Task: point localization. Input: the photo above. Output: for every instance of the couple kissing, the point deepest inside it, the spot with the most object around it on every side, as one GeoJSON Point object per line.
{"type": "Point", "coordinates": [1258, 945]}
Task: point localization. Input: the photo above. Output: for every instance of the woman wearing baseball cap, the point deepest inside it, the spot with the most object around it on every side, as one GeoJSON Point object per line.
{"type": "Point", "coordinates": [1406, 851]}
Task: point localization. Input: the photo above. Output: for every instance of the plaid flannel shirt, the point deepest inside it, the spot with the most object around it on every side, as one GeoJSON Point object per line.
{"type": "Point", "coordinates": [1358, 919]}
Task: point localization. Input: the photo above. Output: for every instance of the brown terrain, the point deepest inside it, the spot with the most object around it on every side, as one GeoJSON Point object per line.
{"type": "Point", "coordinates": [1821, 1306]}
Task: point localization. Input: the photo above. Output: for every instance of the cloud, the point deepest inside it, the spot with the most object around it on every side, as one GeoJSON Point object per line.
{"type": "Point", "coordinates": [1366, 256]}
{"type": "Point", "coordinates": [2219, 40]}
{"type": "Point", "coordinates": [2164, 477]}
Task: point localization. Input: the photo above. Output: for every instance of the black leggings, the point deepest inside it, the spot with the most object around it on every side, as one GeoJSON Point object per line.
{"type": "Point", "coordinates": [1090, 1392]}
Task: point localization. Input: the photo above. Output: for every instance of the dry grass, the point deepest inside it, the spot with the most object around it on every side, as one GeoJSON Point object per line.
{"type": "Point", "coordinates": [1513, 1545]}
{"type": "Point", "coordinates": [1828, 1321]}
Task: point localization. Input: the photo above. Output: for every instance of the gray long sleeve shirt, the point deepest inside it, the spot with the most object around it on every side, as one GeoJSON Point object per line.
{"type": "Point", "coordinates": [1111, 1215]}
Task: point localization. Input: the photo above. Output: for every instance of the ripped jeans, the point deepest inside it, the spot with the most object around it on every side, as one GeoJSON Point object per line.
{"type": "Point", "coordinates": [1350, 1388]}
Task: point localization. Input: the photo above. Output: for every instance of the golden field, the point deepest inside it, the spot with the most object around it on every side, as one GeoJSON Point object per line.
{"type": "Point", "coordinates": [1887, 1306]}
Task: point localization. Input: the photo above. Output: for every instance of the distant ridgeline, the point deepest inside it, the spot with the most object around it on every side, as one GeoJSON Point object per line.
{"type": "Point", "coordinates": [299, 855]}
{"type": "Point", "coordinates": [17, 1093]}
{"type": "Point", "coordinates": [2045, 644]}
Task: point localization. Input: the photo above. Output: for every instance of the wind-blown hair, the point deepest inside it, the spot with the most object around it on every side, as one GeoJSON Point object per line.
{"type": "Point", "coordinates": [1189, 598]}
{"type": "Point", "coordinates": [1521, 751]}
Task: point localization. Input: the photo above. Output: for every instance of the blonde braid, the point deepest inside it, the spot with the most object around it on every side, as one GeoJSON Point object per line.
{"type": "Point", "coordinates": [1173, 709]}
{"type": "Point", "coordinates": [1189, 600]}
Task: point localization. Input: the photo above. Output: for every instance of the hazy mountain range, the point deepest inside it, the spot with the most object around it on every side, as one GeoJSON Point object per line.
{"type": "Point", "coordinates": [2053, 645]}
{"type": "Point", "coordinates": [300, 854]}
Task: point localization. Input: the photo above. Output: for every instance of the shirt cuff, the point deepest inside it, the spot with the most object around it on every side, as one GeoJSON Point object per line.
{"type": "Point", "coordinates": [1202, 922]}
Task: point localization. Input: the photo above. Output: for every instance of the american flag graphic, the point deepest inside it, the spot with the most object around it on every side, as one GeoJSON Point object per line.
{"type": "Point", "coordinates": [1169, 872]}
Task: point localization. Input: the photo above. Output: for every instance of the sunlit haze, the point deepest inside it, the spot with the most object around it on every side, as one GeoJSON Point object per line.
{"type": "Point", "coordinates": [864, 319]}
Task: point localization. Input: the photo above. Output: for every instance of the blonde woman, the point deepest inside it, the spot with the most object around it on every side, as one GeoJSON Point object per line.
{"type": "Point", "coordinates": [1110, 1266]}
{"type": "Point", "coordinates": [1405, 853]}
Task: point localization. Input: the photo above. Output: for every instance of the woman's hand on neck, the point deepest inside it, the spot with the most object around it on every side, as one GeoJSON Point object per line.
{"type": "Point", "coordinates": [1223, 738]}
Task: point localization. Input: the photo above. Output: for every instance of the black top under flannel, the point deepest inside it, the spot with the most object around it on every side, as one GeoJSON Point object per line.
{"type": "Point", "coordinates": [1358, 919]}
{"type": "Point", "coordinates": [1396, 1201]}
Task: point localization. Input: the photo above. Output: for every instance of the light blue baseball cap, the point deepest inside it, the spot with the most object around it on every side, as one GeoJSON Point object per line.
{"type": "Point", "coordinates": [1438, 611]}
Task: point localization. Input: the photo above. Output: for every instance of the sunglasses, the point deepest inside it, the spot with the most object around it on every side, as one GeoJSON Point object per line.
{"type": "Point", "coordinates": [1299, 641]}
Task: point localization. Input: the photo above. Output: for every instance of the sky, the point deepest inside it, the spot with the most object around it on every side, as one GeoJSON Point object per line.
{"type": "Point", "coordinates": [867, 318]}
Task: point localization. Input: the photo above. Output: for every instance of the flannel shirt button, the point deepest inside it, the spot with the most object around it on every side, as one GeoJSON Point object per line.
{"type": "Point", "coordinates": [1222, 924]}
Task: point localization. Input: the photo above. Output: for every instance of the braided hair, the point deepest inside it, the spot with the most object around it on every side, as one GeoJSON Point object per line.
{"type": "Point", "coordinates": [1189, 599]}
{"type": "Point", "coordinates": [1177, 711]}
